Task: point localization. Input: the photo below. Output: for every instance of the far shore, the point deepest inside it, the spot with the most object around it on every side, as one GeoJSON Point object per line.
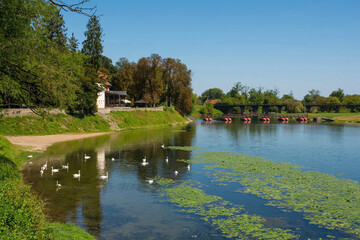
{"type": "Point", "coordinates": [40, 143]}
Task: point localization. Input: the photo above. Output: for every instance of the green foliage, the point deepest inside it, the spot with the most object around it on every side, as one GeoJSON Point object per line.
{"type": "Point", "coordinates": [212, 93]}
{"type": "Point", "coordinates": [146, 119]}
{"type": "Point", "coordinates": [294, 106]}
{"type": "Point", "coordinates": [62, 231]}
{"type": "Point", "coordinates": [339, 94]}
{"type": "Point", "coordinates": [21, 212]}
{"type": "Point", "coordinates": [33, 57]}
{"type": "Point", "coordinates": [60, 123]}
{"type": "Point", "coordinates": [92, 45]}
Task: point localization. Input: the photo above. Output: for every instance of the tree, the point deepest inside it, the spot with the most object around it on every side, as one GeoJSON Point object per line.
{"type": "Point", "coordinates": [92, 45]}
{"type": "Point", "coordinates": [73, 43]}
{"type": "Point", "coordinates": [212, 93]}
{"type": "Point", "coordinates": [339, 94]}
{"type": "Point", "coordinates": [293, 106]}
{"type": "Point", "coordinates": [256, 96]}
{"type": "Point", "coordinates": [311, 96]}
{"type": "Point", "coordinates": [33, 70]}
{"type": "Point", "coordinates": [55, 29]}
{"type": "Point", "coordinates": [238, 89]}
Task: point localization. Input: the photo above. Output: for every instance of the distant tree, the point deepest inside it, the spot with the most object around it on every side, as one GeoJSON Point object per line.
{"type": "Point", "coordinates": [124, 79]}
{"type": "Point", "coordinates": [212, 93]}
{"type": "Point", "coordinates": [256, 96]}
{"type": "Point", "coordinates": [238, 89]}
{"type": "Point", "coordinates": [339, 94]}
{"type": "Point", "coordinates": [294, 106]}
{"type": "Point", "coordinates": [107, 63]}
{"type": "Point", "coordinates": [288, 96]}
{"type": "Point", "coordinates": [311, 96]}
{"type": "Point", "coordinates": [54, 28]}
{"type": "Point", "coordinates": [352, 99]}
{"type": "Point", "coordinates": [92, 45]}
{"type": "Point", "coordinates": [121, 62]}
{"type": "Point", "coordinates": [73, 43]}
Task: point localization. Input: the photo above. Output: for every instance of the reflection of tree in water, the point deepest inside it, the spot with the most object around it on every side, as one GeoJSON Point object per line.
{"type": "Point", "coordinates": [131, 147]}
{"type": "Point", "coordinates": [80, 201]}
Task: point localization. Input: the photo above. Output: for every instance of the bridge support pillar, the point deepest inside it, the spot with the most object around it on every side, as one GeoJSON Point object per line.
{"type": "Point", "coordinates": [279, 107]}
{"type": "Point", "coordinates": [242, 109]}
{"type": "Point", "coordinates": [266, 109]}
{"type": "Point", "coordinates": [255, 108]}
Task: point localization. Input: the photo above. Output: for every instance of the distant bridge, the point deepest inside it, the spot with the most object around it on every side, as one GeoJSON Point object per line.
{"type": "Point", "coordinates": [229, 108]}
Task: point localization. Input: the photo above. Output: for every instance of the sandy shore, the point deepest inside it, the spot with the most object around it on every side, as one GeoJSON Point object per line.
{"type": "Point", "coordinates": [40, 143]}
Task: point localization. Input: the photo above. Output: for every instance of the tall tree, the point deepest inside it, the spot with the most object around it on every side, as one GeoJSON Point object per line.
{"type": "Point", "coordinates": [55, 29]}
{"type": "Point", "coordinates": [73, 43]}
{"type": "Point", "coordinates": [311, 96]}
{"type": "Point", "coordinates": [92, 45]}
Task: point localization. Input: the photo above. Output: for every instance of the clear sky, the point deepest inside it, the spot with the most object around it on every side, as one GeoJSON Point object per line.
{"type": "Point", "coordinates": [292, 45]}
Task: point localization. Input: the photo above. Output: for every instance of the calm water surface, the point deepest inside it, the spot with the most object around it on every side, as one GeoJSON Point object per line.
{"type": "Point", "coordinates": [127, 207]}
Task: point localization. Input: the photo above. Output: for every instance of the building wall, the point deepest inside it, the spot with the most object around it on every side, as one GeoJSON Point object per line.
{"type": "Point", "coordinates": [101, 100]}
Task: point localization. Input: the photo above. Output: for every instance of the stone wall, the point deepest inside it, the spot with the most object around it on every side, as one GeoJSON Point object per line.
{"type": "Point", "coordinates": [19, 112]}
{"type": "Point", "coordinates": [108, 110]}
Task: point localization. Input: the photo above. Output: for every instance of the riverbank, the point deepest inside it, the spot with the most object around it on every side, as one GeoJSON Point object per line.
{"type": "Point", "coordinates": [22, 211]}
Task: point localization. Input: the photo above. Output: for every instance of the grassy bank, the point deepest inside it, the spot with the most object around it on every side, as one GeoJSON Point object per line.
{"type": "Point", "coordinates": [61, 123]}
{"type": "Point", "coordinates": [53, 124]}
{"type": "Point", "coordinates": [146, 119]}
{"type": "Point", "coordinates": [22, 212]}
{"type": "Point", "coordinates": [340, 117]}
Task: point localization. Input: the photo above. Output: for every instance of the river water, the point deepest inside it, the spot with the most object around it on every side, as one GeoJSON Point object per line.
{"type": "Point", "coordinates": [126, 206]}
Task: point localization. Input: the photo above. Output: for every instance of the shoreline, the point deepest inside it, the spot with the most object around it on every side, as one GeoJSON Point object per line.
{"type": "Point", "coordinates": [39, 143]}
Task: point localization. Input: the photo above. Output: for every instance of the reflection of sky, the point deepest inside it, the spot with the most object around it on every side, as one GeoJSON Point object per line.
{"type": "Point", "coordinates": [325, 148]}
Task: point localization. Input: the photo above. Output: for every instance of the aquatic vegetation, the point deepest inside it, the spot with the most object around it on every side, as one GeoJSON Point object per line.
{"type": "Point", "coordinates": [324, 199]}
{"type": "Point", "coordinates": [230, 219]}
{"type": "Point", "coordinates": [164, 181]}
{"type": "Point", "coordinates": [183, 148]}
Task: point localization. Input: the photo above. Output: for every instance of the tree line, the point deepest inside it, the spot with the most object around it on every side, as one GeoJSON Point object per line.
{"type": "Point", "coordinates": [41, 67]}
{"type": "Point", "coordinates": [241, 94]}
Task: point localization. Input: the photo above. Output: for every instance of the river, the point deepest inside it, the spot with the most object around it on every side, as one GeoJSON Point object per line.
{"type": "Point", "coordinates": [126, 206]}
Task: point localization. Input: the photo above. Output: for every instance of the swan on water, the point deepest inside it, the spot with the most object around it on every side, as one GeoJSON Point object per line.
{"type": "Point", "coordinates": [176, 172]}
{"type": "Point", "coordinates": [86, 157]}
{"type": "Point", "coordinates": [58, 184]}
{"type": "Point", "coordinates": [105, 176]}
{"type": "Point", "coordinates": [163, 146]}
{"type": "Point", "coordinates": [112, 159]}
{"type": "Point", "coordinates": [65, 166]}
{"type": "Point", "coordinates": [30, 156]}
{"type": "Point", "coordinates": [167, 159]}
{"type": "Point", "coordinates": [188, 167]}
{"type": "Point", "coordinates": [54, 170]}
{"type": "Point", "coordinates": [76, 175]}
{"type": "Point", "coordinates": [151, 181]}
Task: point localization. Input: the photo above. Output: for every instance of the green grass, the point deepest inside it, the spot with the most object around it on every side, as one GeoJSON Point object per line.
{"type": "Point", "coordinates": [22, 212]}
{"type": "Point", "coordinates": [340, 117]}
{"type": "Point", "coordinates": [59, 123]}
{"type": "Point", "coordinates": [197, 109]}
{"type": "Point", "coordinates": [66, 231]}
{"type": "Point", "coordinates": [146, 119]}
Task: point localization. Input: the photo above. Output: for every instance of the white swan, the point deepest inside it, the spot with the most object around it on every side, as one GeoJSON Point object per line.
{"type": "Point", "coordinates": [167, 159]}
{"type": "Point", "coordinates": [41, 172]}
{"type": "Point", "coordinates": [58, 184]}
{"type": "Point", "coordinates": [144, 163]}
{"type": "Point", "coordinates": [45, 166]}
{"type": "Point", "coordinates": [65, 166]}
{"type": "Point", "coordinates": [151, 181]}
{"type": "Point", "coordinates": [163, 146]}
{"type": "Point", "coordinates": [176, 173]}
{"type": "Point", "coordinates": [30, 156]}
{"type": "Point", "coordinates": [86, 157]}
{"type": "Point", "coordinates": [188, 167]}
{"type": "Point", "coordinates": [76, 175]}
{"type": "Point", "coordinates": [113, 159]}
{"type": "Point", "coordinates": [105, 176]}
{"type": "Point", "coordinates": [54, 170]}
{"type": "Point", "coordinates": [144, 159]}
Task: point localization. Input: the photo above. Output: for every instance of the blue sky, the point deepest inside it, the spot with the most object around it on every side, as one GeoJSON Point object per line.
{"type": "Point", "coordinates": [292, 45]}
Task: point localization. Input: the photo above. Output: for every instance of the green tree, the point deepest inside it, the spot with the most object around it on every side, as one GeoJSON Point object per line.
{"type": "Point", "coordinates": [256, 96]}
{"type": "Point", "coordinates": [311, 96]}
{"type": "Point", "coordinates": [339, 94]}
{"type": "Point", "coordinates": [294, 106]}
{"type": "Point", "coordinates": [92, 45]}
{"type": "Point", "coordinates": [212, 93]}
{"type": "Point", "coordinates": [34, 72]}
{"type": "Point", "coordinates": [73, 43]}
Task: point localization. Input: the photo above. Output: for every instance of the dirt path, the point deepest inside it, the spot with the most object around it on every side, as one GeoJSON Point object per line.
{"type": "Point", "coordinates": [40, 143]}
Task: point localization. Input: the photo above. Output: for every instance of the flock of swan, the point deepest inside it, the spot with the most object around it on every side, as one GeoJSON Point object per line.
{"type": "Point", "coordinates": [104, 177]}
